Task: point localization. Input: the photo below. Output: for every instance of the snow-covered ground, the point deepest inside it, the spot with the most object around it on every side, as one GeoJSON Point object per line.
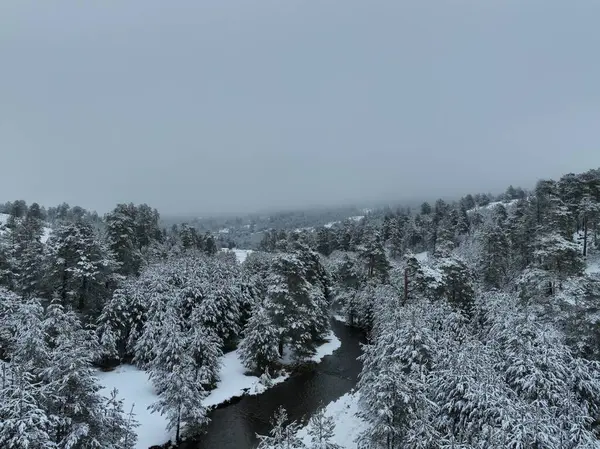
{"type": "Point", "coordinates": [327, 348]}
{"type": "Point", "coordinates": [347, 425]}
{"type": "Point", "coordinates": [234, 382]}
{"type": "Point", "coordinates": [136, 389]}
{"type": "Point", "coordinates": [356, 218]}
{"type": "Point", "coordinates": [46, 231]}
{"type": "Point", "coordinates": [340, 318]}
{"type": "Point", "coordinates": [240, 254]}
{"type": "Point", "coordinates": [422, 257]}
{"type": "Point", "coordinates": [593, 267]}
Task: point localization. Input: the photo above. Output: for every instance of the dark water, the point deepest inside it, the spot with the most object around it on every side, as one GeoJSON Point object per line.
{"type": "Point", "coordinates": [235, 426]}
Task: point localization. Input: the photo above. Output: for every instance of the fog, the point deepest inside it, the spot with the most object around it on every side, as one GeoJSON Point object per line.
{"type": "Point", "coordinates": [234, 106]}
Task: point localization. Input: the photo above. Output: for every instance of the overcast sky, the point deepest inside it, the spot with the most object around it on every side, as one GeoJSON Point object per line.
{"type": "Point", "coordinates": [239, 105]}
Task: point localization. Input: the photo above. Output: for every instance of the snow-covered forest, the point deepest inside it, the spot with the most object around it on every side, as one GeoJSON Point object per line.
{"type": "Point", "coordinates": [481, 317]}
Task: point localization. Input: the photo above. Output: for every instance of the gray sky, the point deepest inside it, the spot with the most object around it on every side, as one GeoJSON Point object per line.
{"type": "Point", "coordinates": [238, 105]}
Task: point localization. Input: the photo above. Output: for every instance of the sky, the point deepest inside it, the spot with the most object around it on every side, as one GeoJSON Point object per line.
{"type": "Point", "coordinates": [219, 106]}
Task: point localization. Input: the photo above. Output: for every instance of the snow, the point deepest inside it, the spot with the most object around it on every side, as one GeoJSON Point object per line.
{"type": "Point", "coordinates": [135, 388]}
{"type": "Point", "coordinates": [348, 426]}
{"type": "Point", "coordinates": [340, 318]}
{"type": "Point", "coordinates": [356, 218]}
{"type": "Point", "coordinates": [422, 257]}
{"type": "Point", "coordinates": [593, 267]}
{"type": "Point", "coordinates": [224, 231]}
{"type": "Point", "coordinates": [307, 229]}
{"type": "Point", "coordinates": [325, 349]}
{"type": "Point", "coordinates": [240, 254]}
{"type": "Point", "coordinates": [234, 382]}
{"type": "Point", "coordinates": [328, 348]}
{"type": "Point", "coordinates": [46, 231]}
{"type": "Point", "coordinates": [46, 235]}
{"type": "Point", "coordinates": [331, 224]}
{"type": "Point", "coordinates": [494, 204]}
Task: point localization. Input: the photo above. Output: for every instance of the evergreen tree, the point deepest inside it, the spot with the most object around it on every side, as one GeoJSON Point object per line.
{"type": "Point", "coordinates": [23, 421]}
{"type": "Point", "coordinates": [175, 376]}
{"type": "Point", "coordinates": [180, 398]}
{"type": "Point", "coordinates": [321, 429]}
{"type": "Point", "coordinates": [71, 391]}
{"type": "Point", "coordinates": [259, 347]}
{"type": "Point", "coordinates": [282, 434]}
{"type": "Point", "coordinates": [122, 232]}
{"type": "Point", "coordinates": [80, 269]}
{"type": "Point", "coordinates": [495, 253]}
{"type": "Point", "coordinates": [457, 283]}
{"type": "Point", "coordinates": [373, 254]}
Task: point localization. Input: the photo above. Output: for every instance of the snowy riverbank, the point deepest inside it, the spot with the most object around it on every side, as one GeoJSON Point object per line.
{"type": "Point", "coordinates": [136, 390]}
{"type": "Point", "coordinates": [348, 426]}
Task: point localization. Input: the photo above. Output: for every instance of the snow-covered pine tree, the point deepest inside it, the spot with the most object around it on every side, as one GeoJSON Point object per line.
{"type": "Point", "coordinates": [174, 374]}
{"type": "Point", "coordinates": [259, 348]}
{"type": "Point", "coordinates": [321, 429]}
{"type": "Point", "coordinates": [24, 423]}
{"type": "Point", "coordinates": [205, 347]}
{"type": "Point", "coordinates": [495, 255]}
{"type": "Point", "coordinates": [71, 392]}
{"type": "Point", "coordinates": [180, 398]}
{"type": "Point", "coordinates": [121, 233]}
{"type": "Point", "coordinates": [79, 268]}
{"type": "Point", "coordinates": [295, 305]}
{"type": "Point", "coordinates": [282, 435]}
{"type": "Point", "coordinates": [373, 254]}
{"type": "Point", "coordinates": [457, 281]}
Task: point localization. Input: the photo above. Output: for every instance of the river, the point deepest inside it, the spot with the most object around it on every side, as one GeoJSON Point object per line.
{"type": "Point", "coordinates": [235, 426]}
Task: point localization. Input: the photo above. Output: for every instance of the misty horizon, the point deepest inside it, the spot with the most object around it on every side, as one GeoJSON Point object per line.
{"type": "Point", "coordinates": [231, 108]}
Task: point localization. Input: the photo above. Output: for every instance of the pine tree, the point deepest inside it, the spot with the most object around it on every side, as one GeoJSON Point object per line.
{"type": "Point", "coordinates": [205, 348]}
{"type": "Point", "coordinates": [495, 254]}
{"type": "Point", "coordinates": [397, 237]}
{"type": "Point", "coordinates": [295, 305]}
{"type": "Point", "coordinates": [180, 398]}
{"type": "Point", "coordinates": [122, 232]}
{"type": "Point", "coordinates": [373, 254]}
{"type": "Point", "coordinates": [23, 421]}
{"type": "Point", "coordinates": [175, 376]}
{"type": "Point", "coordinates": [259, 347]}
{"type": "Point", "coordinates": [282, 435]}
{"type": "Point", "coordinates": [457, 283]}
{"type": "Point", "coordinates": [80, 268]}
{"type": "Point", "coordinates": [71, 390]}
{"type": "Point", "coordinates": [321, 429]}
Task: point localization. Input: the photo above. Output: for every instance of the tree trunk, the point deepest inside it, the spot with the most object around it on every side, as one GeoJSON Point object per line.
{"type": "Point", "coordinates": [177, 436]}
{"type": "Point", "coordinates": [82, 294]}
{"type": "Point", "coordinates": [405, 285]}
{"type": "Point", "coordinates": [585, 236]}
